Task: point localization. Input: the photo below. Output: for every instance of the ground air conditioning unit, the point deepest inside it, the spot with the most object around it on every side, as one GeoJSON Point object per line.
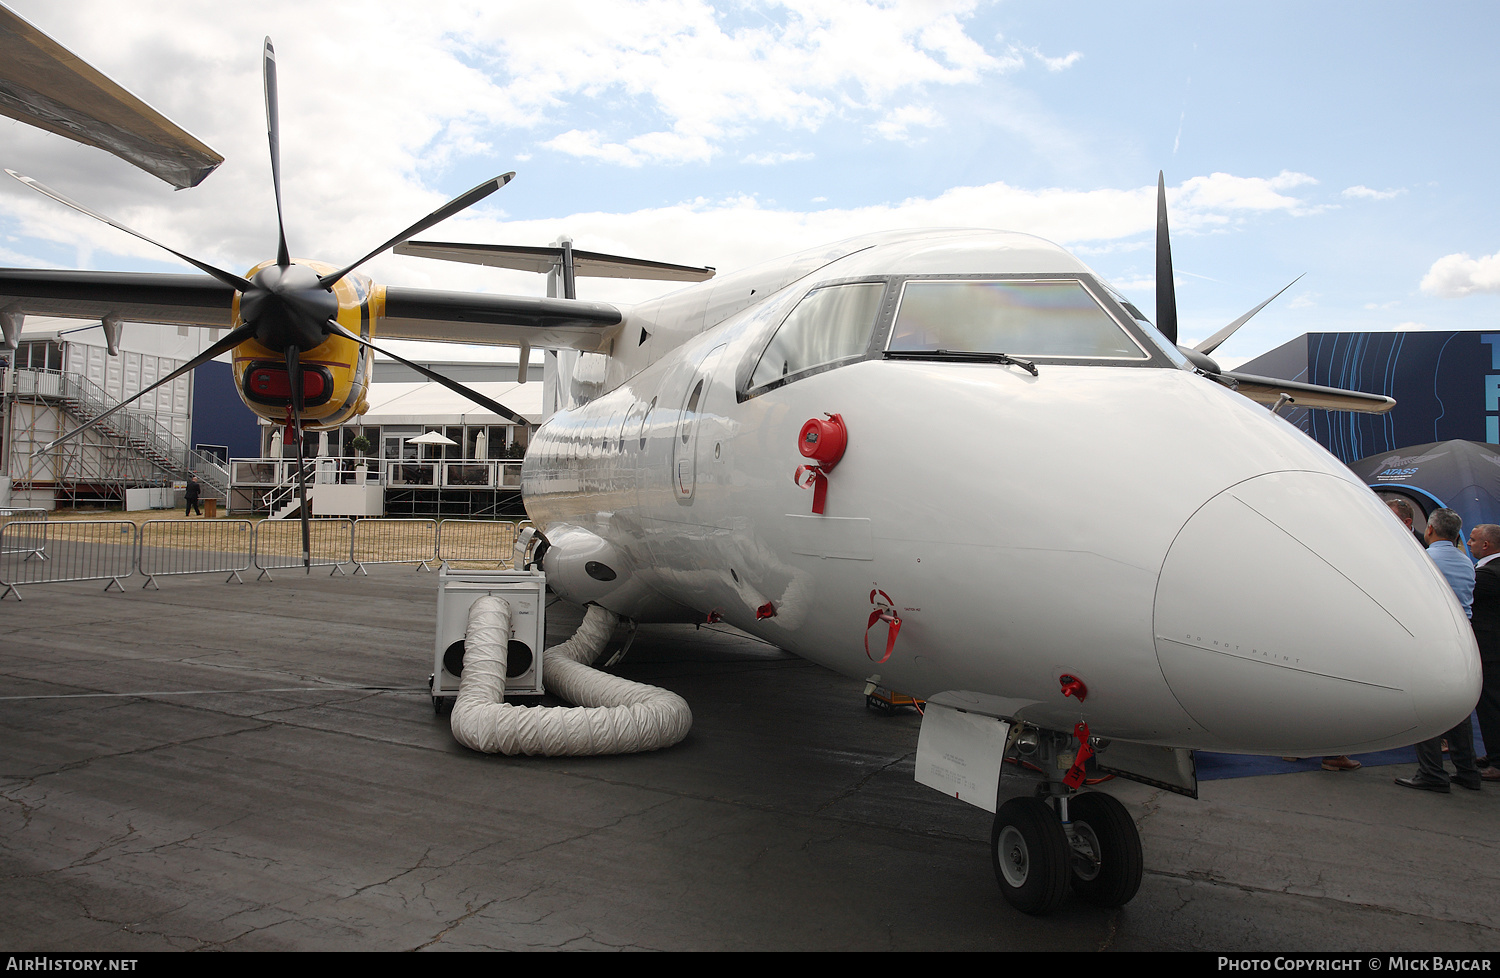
{"type": "Point", "coordinates": [526, 592]}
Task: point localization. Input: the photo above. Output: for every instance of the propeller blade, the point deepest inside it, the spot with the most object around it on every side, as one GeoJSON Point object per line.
{"type": "Point", "coordinates": [452, 385]}
{"type": "Point", "coordinates": [294, 377]}
{"type": "Point", "coordinates": [228, 278]}
{"type": "Point", "coordinates": [229, 342]}
{"type": "Point", "coordinates": [1166, 291]}
{"type": "Point", "coordinates": [273, 134]}
{"type": "Point", "coordinates": [441, 214]}
{"type": "Point", "coordinates": [1212, 343]}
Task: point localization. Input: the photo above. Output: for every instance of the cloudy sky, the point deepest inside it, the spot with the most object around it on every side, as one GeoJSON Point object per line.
{"type": "Point", "coordinates": [1354, 142]}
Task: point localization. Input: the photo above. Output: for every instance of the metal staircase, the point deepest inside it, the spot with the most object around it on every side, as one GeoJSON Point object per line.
{"type": "Point", "coordinates": [283, 501]}
{"type": "Point", "coordinates": [213, 473]}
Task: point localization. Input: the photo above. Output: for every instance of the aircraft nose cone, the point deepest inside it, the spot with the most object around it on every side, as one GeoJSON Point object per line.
{"type": "Point", "coordinates": [1295, 615]}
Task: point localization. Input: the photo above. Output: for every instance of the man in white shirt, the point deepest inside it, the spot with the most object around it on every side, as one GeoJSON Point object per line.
{"type": "Point", "coordinates": [1444, 531]}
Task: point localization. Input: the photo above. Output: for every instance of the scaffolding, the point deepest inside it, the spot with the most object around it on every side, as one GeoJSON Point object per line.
{"type": "Point", "coordinates": [130, 449]}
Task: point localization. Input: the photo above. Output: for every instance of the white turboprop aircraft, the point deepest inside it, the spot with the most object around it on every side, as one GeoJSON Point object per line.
{"type": "Point", "coordinates": [955, 458]}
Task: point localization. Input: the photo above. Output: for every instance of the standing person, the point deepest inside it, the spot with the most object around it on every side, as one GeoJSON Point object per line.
{"type": "Point", "coordinates": [194, 490]}
{"type": "Point", "coordinates": [1404, 513]}
{"type": "Point", "coordinates": [1484, 543]}
{"type": "Point", "coordinates": [1444, 529]}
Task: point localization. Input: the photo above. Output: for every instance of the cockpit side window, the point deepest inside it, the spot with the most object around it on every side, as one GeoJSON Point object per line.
{"type": "Point", "coordinates": [828, 326]}
{"type": "Point", "coordinates": [1152, 333]}
{"type": "Point", "coordinates": [1041, 318]}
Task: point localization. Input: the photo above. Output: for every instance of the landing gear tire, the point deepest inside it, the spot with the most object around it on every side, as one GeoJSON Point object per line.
{"type": "Point", "coordinates": [1030, 853]}
{"type": "Point", "coordinates": [1106, 855]}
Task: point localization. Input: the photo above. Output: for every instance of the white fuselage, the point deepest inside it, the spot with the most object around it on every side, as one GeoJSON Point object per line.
{"type": "Point", "coordinates": [1214, 577]}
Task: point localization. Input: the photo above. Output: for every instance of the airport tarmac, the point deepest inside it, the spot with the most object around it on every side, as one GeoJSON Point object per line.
{"type": "Point", "coordinates": [258, 767]}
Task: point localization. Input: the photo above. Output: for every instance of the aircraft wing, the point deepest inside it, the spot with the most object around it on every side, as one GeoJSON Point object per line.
{"type": "Point", "coordinates": [504, 320]}
{"type": "Point", "coordinates": [46, 85]}
{"type": "Point", "coordinates": [1268, 390]}
{"type": "Point", "coordinates": [416, 314]}
{"type": "Point", "coordinates": [193, 300]}
{"type": "Point", "coordinates": [586, 264]}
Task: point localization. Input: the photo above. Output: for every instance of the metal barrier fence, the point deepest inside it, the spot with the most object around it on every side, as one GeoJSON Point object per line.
{"type": "Point", "coordinates": [197, 547]}
{"type": "Point", "coordinates": [476, 542]}
{"type": "Point", "coordinates": [278, 544]}
{"type": "Point", "coordinates": [77, 550]}
{"type": "Point", "coordinates": [382, 541]}
{"type": "Point", "coordinates": [111, 550]}
{"type": "Point", "coordinates": [32, 543]}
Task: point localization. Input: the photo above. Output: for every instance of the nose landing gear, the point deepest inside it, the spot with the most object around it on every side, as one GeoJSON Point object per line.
{"type": "Point", "coordinates": [1041, 845]}
{"type": "Point", "coordinates": [1107, 861]}
{"type": "Point", "coordinates": [1030, 853]}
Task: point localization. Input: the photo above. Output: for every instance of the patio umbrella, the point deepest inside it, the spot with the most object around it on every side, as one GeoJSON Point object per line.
{"type": "Point", "coordinates": [431, 438]}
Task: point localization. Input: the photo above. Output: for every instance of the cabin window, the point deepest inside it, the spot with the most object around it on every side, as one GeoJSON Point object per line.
{"type": "Point", "coordinates": [646, 422]}
{"type": "Point", "coordinates": [829, 325]}
{"type": "Point", "coordinates": [1051, 318]}
{"type": "Point", "coordinates": [690, 413]}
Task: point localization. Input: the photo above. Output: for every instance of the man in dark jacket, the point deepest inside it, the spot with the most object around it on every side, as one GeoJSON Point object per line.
{"type": "Point", "coordinates": [1484, 543]}
{"type": "Point", "coordinates": [194, 490]}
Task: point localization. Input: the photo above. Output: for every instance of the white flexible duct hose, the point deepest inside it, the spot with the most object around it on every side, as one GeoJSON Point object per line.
{"type": "Point", "coordinates": [613, 715]}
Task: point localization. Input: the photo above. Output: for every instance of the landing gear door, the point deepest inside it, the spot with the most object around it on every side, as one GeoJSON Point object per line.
{"type": "Point", "coordinates": [1172, 768]}
{"type": "Point", "coordinates": [960, 753]}
{"type": "Point", "coordinates": [685, 442]}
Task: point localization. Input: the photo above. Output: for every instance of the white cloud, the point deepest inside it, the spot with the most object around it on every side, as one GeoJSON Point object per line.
{"type": "Point", "coordinates": [1221, 192]}
{"type": "Point", "coordinates": [1362, 191]}
{"type": "Point", "coordinates": [897, 124]}
{"type": "Point", "coordinates": [1145, 285]}
{"type": "Point", "coordinates": [1455, 276]}
{"type": "Point", "coordinates": [771, 159]}
{"type": "Point", "coordinates": [373, 124]}
{"type": "Point", "coordinates": [651, 147]}
{"type": "Point", "coordinates": [737, 231]}
{"type": "Point", "coordinates": [470, 84]}
{"type": "Point", "coordinates": [1055, 64]}
{"type": "Point", "coordinates": [804, 61]}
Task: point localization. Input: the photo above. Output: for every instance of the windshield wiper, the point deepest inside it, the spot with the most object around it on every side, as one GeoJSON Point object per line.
{"type": "Point", "coordinates": [961, 356]}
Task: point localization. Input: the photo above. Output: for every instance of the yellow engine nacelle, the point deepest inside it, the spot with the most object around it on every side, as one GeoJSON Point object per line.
{"type": "Point", "coordinates": [336, 374]}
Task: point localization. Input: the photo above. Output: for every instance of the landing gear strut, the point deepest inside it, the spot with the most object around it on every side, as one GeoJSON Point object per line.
{"type": "Point", "coordinates": [1042, 844]}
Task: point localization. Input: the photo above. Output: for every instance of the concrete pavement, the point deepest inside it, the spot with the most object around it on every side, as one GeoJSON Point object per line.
{"type": "Point", "coordinates": [258, 767]}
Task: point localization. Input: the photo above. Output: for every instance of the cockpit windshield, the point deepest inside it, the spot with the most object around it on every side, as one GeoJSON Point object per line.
{"type": "Point", "coordinates": [1037, 318]}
